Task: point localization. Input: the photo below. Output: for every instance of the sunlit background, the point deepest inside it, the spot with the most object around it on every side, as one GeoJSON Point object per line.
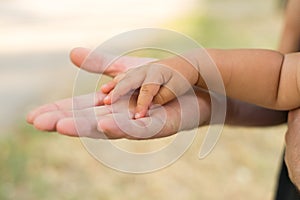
{"type": "Point", "coordinates": [35, 40]}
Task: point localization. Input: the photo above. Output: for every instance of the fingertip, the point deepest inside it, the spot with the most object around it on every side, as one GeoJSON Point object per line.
{"type": "Point", "coordinates": [105, 88]}
{"type": "Point", "coordinates": [78, 54]}
{"type": "Point", "coordinates": [43, 123]}
{"type": "Point", "coordinates": [107, 100]}
{"type": "Point", "coordinates": [140, 113]}
{"type": "Point", "coordinates": [141, 109]}
{"type": "Point", "coordinates": [102, 88]}
{"type": "Point", "coordinates": [30, 117]}
{"type": "Point", "coordinates": [67, 127]}
{"type": "Point", "coordinates": [33, 114]}
{"type": "Point", "coordinates": [74, 53]}
{"type": "Point", "coordinates": [111, 98]}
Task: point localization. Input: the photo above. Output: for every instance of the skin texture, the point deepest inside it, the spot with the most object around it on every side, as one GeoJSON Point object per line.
{"type": "Point", "coordinates": [263, 77]}
{"type": "Point", "coordinates": [158, 83]}
{"type": "Point", "coordinates": [290, 42]}
{"type": "Point", "coordinates": [58, 116]}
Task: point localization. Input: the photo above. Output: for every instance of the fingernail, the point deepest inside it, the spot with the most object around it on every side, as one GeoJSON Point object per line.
{"type": "Point", "coordinates": [106, 99]}
{"type": "Point", "coordinates": [29, 117]}
{"type": "Point", "coordinates": [137, 115]}
{"type": "Point", "coordinates": [103, 88]}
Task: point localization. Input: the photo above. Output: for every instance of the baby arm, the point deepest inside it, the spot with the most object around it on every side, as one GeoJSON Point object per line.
{"type": "Point", "coordinates": [263, 77]}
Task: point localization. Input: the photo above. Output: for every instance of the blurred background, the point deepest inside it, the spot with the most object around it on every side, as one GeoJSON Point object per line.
{"type": "Point", "coordinates": [35, 40]}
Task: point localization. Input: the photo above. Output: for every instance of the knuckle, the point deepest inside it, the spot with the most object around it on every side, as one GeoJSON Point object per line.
{"type": "Point", "coordinates": [134, 71]}
{"type": "Point", "coordinates": [139, 104]}
{"type": "Point", "coordinates": [118, 77]}
{"type": "Point", "coordinates": [147, 90]}
{"type": "Point", "coordinates": [163, 96]}
{"type": "Point", "coordinates": [159, 99]}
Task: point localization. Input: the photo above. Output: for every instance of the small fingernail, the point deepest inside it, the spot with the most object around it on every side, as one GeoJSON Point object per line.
{"type": "Point", "coordinates": [106, 99]}
{"type": "Point", "coordinates": [103, 88]}
{"type": "Point", "coordinates": [137, 115]}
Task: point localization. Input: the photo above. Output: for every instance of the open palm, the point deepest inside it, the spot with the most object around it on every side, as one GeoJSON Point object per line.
{"type": "Point", "coordinates": [96, 120]}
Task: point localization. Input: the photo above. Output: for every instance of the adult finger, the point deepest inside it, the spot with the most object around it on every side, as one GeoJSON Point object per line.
{"type": "Point", "coordinates": [79, 127]}
{"type": "Point", "coordinates": [77, 103]}
{"type": "Point", "coordinates": [91, 61]}
{"type": "Point", "coordinates": [119, 125]}
{"type": "Point", "coordinates": [48, 121]}
{"type": "Point", "coordinates": [99, 62]}
{"type": "Point", "coordinates": [78, 55]}
{"type": "Point", "coordinates": [82, 123]}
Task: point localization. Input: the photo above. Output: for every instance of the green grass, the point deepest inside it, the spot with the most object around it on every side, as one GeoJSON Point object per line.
{"type": "Point", "coordinates": [20, 156]}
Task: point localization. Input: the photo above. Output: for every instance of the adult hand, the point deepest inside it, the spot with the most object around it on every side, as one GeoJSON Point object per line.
{"type": "Point", "coordinates": [92, 118]}
{"type": "Point", "coordinates": [59, 116]}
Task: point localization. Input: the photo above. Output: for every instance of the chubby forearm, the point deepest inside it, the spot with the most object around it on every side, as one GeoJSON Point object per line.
{"type": "Point", "coordinates": [263, 77]}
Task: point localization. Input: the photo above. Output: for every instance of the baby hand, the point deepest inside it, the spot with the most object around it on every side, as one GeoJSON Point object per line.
{"type": "Point", "coordinates": [159, 82]}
